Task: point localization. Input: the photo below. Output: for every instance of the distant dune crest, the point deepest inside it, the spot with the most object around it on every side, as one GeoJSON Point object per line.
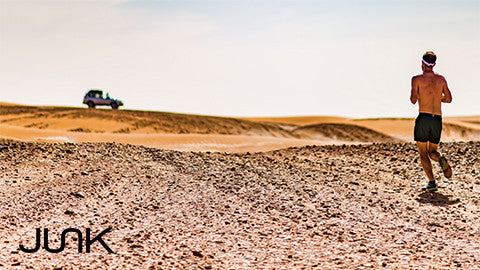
{"type": "Point", "coordinates": [343, 132]}
{"type": "Point", "coordinates": [203, 133]}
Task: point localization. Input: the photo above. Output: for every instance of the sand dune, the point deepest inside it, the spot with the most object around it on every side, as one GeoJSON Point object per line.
{"type": "Point", "coordinates": [454, 132]}
{"type": "Point", "coordinates": [127, 121]}
{"type": "Point", "coordinates": [342, 132]}
{"type": "Point", "coordinates": [9, 104]}
{"type": "Point", "coordinates": [209, 133]}
{"type": "Point", "coordinates": [454, 129]}
{"type": "Point", "coordinates": [466, 127]}
{"type": "Point", "coordinates": [472, 122]}
{"type": "Point", "coordinates": [182, 142]}
{"type": "Point", "coordinates": [299, 120]}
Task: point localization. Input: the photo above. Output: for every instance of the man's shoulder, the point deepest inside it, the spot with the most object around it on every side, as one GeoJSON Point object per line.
{"type": "Point", "coordinates": [421, 76]}
{"type": "Point", "coordinates": [417, 77]}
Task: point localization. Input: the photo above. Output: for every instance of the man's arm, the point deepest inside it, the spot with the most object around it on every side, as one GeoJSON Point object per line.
{"type": "Point", "coordinates": [446, 94]}
{"type": "Point", "coordinates": [414, 93]}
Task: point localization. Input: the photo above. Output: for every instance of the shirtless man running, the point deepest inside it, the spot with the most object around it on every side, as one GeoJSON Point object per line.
{"type": "Point", "coordinates": [430, 90]}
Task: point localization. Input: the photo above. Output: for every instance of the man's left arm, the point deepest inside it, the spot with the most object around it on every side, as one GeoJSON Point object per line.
{"type": "Point", "coordinates": [446, 94]}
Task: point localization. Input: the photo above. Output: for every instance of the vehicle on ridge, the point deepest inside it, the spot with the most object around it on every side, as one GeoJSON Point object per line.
{"type": "Point", "coordinates": [94, 97]}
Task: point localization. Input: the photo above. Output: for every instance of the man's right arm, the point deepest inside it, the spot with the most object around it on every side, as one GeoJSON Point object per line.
{"type": "Point", "coordinates": [414, 93]}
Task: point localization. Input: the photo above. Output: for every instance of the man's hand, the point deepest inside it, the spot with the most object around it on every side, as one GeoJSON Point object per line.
{"type": "Point", "coordinates": [446, 100]}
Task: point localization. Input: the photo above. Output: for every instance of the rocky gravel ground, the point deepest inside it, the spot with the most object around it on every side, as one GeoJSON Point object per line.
{"type": "Point", "coordinates": [352, 207]}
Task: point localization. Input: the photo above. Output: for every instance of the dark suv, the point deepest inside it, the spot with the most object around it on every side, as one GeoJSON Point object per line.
{"type": "Point", "coordinates": [95, 98]}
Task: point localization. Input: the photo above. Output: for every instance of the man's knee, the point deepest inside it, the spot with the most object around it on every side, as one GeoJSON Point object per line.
{"type": "Point", "coordinates": [432, 151]}
{"type": "Point", "coordinates": [432, 147]}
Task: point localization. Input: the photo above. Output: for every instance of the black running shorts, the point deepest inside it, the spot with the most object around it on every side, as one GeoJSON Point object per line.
{"type": "Point", "coordinates": [428, 128]}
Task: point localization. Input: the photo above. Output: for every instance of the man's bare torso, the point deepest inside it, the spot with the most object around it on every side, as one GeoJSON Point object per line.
{"type": "Point", "coordinates": [430, 90]}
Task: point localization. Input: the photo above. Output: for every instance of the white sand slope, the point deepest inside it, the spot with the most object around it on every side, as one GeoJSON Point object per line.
{"type": "Point", "coordinates": [181, 142]}
{"type": "Point", "coordinates": [209, 133]}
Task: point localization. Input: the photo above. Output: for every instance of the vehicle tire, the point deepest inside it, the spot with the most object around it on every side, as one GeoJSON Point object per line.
{"type": "Point", "coordinates": [114, 105]}
{"type": "Point", "coordinates": [91, 105]}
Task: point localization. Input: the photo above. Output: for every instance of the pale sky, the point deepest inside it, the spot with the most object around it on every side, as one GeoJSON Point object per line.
{"type": "Point", "coordinates": [240, 58]}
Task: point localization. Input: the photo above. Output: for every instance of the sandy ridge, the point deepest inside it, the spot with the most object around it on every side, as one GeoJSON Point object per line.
{"type": "Point", "coordinates": [210, 133]}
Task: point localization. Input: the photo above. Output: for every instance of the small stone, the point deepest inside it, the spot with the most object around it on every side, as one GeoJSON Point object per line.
{"type": "Point", "coordinates": [78, 195]}
{"type": "Point", "coordinates": [197, 253]}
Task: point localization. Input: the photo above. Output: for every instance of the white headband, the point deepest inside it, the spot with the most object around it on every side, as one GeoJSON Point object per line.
{"type": "Point", "coordinates": [428, 64]}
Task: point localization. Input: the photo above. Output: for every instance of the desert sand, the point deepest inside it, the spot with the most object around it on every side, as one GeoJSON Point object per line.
{"type": "Point", "coordinates": [322, 207]}
{"type": "Point", "coordinates": [200, 192]}
{"type": "Point", "coordinates": [185, 132]}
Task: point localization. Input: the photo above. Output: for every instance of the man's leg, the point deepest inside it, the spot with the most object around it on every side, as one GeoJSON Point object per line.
{"type": "Point", "coordinates": [424, 158]}
{"type": "Point", "coordinates": [434, 155]}
{"type": "Point", "coordinates": [432, 151]}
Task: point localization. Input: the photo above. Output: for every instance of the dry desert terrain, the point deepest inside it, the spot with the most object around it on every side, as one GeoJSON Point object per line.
{"type": "Point", "coordinates": [185, 132]}
{"type": "Point", "coordinates": [200, 192]}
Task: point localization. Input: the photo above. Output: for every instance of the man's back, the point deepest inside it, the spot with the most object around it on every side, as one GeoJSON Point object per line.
{"type": "Point", "coordinates": [430, 90]}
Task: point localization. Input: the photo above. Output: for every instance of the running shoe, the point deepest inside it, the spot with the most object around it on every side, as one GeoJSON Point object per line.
{"type": "Point", "coordinates": [447, 170]}
{"type": "Point", "coordinates": [432, 186]}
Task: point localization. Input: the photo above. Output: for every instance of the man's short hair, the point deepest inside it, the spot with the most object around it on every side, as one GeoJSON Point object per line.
{"type": "Point", "coordinates": [429, 57]}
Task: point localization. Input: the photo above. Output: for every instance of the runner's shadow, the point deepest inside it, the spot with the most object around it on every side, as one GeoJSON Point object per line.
{"type": "Point", "coordinates": [436, 199]}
